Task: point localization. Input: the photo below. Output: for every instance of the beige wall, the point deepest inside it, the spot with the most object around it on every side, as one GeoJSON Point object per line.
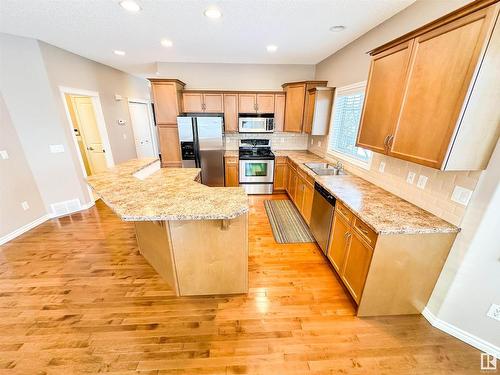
{"type": "Point", "coordinates": [350, 65]}
{"type": "Point", "coordinates": [17, 182]}
{"type": "Point", "coordinates": [234, 76]}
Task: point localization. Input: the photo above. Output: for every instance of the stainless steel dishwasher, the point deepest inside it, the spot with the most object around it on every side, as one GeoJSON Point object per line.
{"type": "Point", "coordinates": [323, 209]}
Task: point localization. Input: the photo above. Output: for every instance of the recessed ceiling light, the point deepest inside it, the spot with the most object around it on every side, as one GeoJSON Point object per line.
{"type": "Point", "coordinates": [337, 28]}
{"type": "Point", "coordinates": [119, 53]}
{"type": "Point", "coordinates": [166, 43]}
{"type": "Point", "coordinates": [130, 5]}
{"type": "Point", "coordinates": [272, 48]}
{"type": "Point", "coordinates": [213, 13]}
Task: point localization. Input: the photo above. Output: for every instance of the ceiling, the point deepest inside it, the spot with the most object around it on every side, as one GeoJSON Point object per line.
{"type": "Point", "coordinates": [94, 28]}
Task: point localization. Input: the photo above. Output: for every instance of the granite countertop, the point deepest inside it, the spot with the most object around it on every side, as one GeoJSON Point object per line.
{"type": "Point", "coordinates": [384, 212]}
{"type": "Point", "coordinates": [167, 194]}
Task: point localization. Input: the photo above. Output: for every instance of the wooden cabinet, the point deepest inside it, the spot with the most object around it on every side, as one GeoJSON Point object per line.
{"type": "Point", "coordinates": [203, 102]}
{"type": "Point", "coordinates": [231, 113]}
{"type": "Point", "coordinates": [300, 188]}
{"type": "Point", "coordinates": [418, 92]}
{"type": "Point", "coordinates": [168, 103]}
{"type": "Point", "coordinates": [292, 181]}
{"type": "Point", "coordinates": [256, 103]}
{"type": "Point", "coordinates": [280, 174]}
{"type": "Point", "coordinates": [231, 177]}
{"type": "Point", "coordinates": [279, 112]}
{"type": "Point", "coordinates": [348, 250]}
{"type": "Point", "coordinates": [297, 97]}
{"type": "Point", "coordinates": [307, 200]}
{"type": "Point", "coordinates": [319, 109]}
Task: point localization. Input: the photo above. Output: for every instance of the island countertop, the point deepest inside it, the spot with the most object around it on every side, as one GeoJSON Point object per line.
{"type": "Point", "coordinates": [167, 194]}
{"type": "Point", "coordinates": [381, 210]}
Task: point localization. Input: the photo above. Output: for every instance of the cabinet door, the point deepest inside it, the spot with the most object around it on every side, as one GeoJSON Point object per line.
{"type": "Point", "coordinates": [265, 103]}
{"type": "Point", "coordinates": [299, 194]}
{"type": "Point", "coordinates": [292, 183]}
{"type": "Point", "coordinates": [338, 243]}
{"type": "Point", "coordinates": [193, 102]}
{"type": "Point", "coordinates": [440, 72]}
{"type": "Point", "coordinates": [307, 201]}
{"type": "Point", "coordinates": [165, 97]}
{"type": "Point", "coordinates": [311, 98]}
{"type": "Point", "coordinates": [294, 108]}
{"type": "Point", "coordinates": [279, 112]}
{"type": "Point", "coordinates": [169, 146]}
{"type": "Point", "coordinates": [213, 103]}
{"type": "Point", "coordinates": [247, 103]}
{"type": "Point", "coordinates": [357, 263]}
{"type": "Point", "coordinates": [231, 172]}
{"type": "Point", "coordinates": [231, 113]}
{"type": "Point", "coordinates": [279, 177]}
{"type": "Point", "coordinates": [383, 97]}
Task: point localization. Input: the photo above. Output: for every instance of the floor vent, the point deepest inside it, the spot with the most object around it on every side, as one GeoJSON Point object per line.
{"type": "Point", "coordinates": [65, 207]}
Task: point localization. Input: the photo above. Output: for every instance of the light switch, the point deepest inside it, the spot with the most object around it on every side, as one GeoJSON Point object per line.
{"type": "Point", "coordinates": [56, 149]}
{"type": "Point", "coordinates": [4, 154]}
{"type": "Point", "coordinates": [25, 205]}
{"type": "Point", "coordinates": [461, 195]}
{"type": "Point", "coordinates": [422, 181]}
{"type": "Point", "coordinates": [381, 167]}
{"type": "Point", "coordinates": [410, 177]}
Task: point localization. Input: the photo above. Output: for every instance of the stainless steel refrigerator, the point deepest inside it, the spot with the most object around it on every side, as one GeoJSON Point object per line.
{"type": "Point", "coordinates": [202, 145]}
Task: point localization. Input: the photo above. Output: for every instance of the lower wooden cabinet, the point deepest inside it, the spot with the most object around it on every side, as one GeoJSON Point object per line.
{"type": "Point", "coordinates": [300, 188]}
{"type": "Point", "coordinates": [348, 251]}
{"type": "Point", "coordinates": [280, 174]}
{"type": "Point", "coordinates": [231, 177]}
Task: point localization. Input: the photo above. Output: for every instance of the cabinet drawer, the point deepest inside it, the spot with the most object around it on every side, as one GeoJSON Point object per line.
{"type": "Point", "coordinates": [281, 159]}
{"type": "Point", "coordinates": [344, 212]}
{"type": "Point", "coordinates": [365, 232]}
{"type": "Point", "coordinates": [231, 159]}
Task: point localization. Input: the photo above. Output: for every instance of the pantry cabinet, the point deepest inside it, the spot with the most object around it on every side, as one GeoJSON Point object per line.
{"type": "Point", "coordinates": [203, 102]}
{"type": "Point", "coordinates": [423, 89]}
{"type": "Point", "coordinates": [297, 98]}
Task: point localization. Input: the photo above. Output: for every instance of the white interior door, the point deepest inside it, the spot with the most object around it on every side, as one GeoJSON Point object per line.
{"type": "Point", "coordinates": [141, 125]}
{"type": "Point", "coordinates": [87, 122]}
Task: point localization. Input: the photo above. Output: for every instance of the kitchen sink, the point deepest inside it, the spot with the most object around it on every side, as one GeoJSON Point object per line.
{"type": "Point", "coordinates": [325, 169]}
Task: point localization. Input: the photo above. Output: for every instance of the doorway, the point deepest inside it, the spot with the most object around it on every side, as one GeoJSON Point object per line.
{"type": "Point", "coordinates": [90, 144]}
{"type": "Point", "coordinates": [143, 127]}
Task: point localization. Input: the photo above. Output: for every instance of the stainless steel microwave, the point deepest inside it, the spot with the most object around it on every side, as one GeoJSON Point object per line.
{"type": "Point", "coordinates": [254, 123]}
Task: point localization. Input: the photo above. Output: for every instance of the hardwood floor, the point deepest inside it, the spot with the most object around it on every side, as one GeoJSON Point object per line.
{"type": "Point", "coordinates": [76, 296]}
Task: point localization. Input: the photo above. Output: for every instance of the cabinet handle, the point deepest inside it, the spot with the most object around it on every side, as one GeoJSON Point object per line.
{"type": "Point", "coordinates": [362, 230]}
{"type": "Point", "coordinates": [389, 141]}
{"type": "Point", "coordinates": [385, 141]}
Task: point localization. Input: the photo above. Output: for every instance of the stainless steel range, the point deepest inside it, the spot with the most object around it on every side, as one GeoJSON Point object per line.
{"type": "Point", "coordinates": [256, 166]}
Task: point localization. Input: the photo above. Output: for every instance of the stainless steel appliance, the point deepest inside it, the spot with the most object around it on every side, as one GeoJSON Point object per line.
{"type": "Point", "coordinates": [323, 209]}
{"type": "Point", "coordinates": [325, 169]}
{"type": "Point", "coordinates": [256, 123]}
{"type": "Point", "coordinates": [202, 146]}
{"type": "Point", "coordinates": [256, 166]}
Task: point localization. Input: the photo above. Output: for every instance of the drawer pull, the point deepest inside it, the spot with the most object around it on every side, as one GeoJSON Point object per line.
{"type": "Point", "coordinates": [363, 230]}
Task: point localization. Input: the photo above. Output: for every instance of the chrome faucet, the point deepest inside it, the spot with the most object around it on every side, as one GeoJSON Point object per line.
{"type": "Point", "coordinates": [339, 166]}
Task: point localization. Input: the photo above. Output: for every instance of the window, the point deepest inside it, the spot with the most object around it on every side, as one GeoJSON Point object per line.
{"type": "Point", "coordinates": [344, 128]}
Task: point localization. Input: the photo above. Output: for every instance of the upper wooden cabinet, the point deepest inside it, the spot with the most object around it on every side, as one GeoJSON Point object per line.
{"type": "Point", "coordinates": [256, 103]}
{"type": "Point", "coordinates": [167, 99]}
{"type": "Point", "coordinates": [203, 102]}
{"type": "Point", "coordinates": [319, 109]}
{"type": "Point", "coordinates": [231, 113]}
{"type": "Point", "coordinates": [426, 88]}
{"type": "Point", "coordinates": [279, 112]}
{"type": "Point", "coordinates": [297, 98]}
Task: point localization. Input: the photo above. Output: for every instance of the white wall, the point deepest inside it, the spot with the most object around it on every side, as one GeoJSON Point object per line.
{"type": "Point", "coordinates": [234, 76]}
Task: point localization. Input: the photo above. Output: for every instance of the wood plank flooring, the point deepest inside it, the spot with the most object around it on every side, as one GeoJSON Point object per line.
{"type": "Point", "coordinates": [77, 297]}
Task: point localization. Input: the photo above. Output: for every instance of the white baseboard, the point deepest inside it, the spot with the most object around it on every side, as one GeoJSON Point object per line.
{"type": "Point", "coordinates": [37, 222]}
{"type": "Point", "coordinates": [462, 335]}
{"type": "Point", "coordinates": [24, 229]}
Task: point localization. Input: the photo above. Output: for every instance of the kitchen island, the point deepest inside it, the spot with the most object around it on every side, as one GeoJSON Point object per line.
{"type": "Point", "coordinates": [194, 236]}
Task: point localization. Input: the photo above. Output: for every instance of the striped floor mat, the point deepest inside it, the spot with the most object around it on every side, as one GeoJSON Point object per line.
{"type": "Point", "coordinates": [287, 223]}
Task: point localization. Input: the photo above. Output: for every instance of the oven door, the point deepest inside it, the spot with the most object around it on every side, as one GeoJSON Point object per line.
{"type": "Point", "coordinates": [253, 125]}
{"type": "Point", "coordinates": [255, 171]}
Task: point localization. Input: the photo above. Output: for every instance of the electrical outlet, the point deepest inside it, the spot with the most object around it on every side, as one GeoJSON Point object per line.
{"type": "Point", "coordinates": [319, 143]}
{"type": "Point", "coordinates": [494, 312]}
{"type": "Point", "coordinates": [4, 154]}
{"type": "Point", "coordinates": [25, 205]}
{"type": "Point", "coordinates": [461, 195]}
{"type": "Point", "coordinates": [410, 177]}
{"type": "Point", "coordinates": [56, 149]}
{"type": "Point", "coordinates": [422, 181]}
{"type": "Point", "coordinates": [381, 167]}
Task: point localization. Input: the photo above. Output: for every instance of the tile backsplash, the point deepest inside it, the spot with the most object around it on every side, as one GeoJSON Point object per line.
{"type": "Point", "coordinates": [435, 197]}
{"type": "Point", "coordinates": [279, 141]}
